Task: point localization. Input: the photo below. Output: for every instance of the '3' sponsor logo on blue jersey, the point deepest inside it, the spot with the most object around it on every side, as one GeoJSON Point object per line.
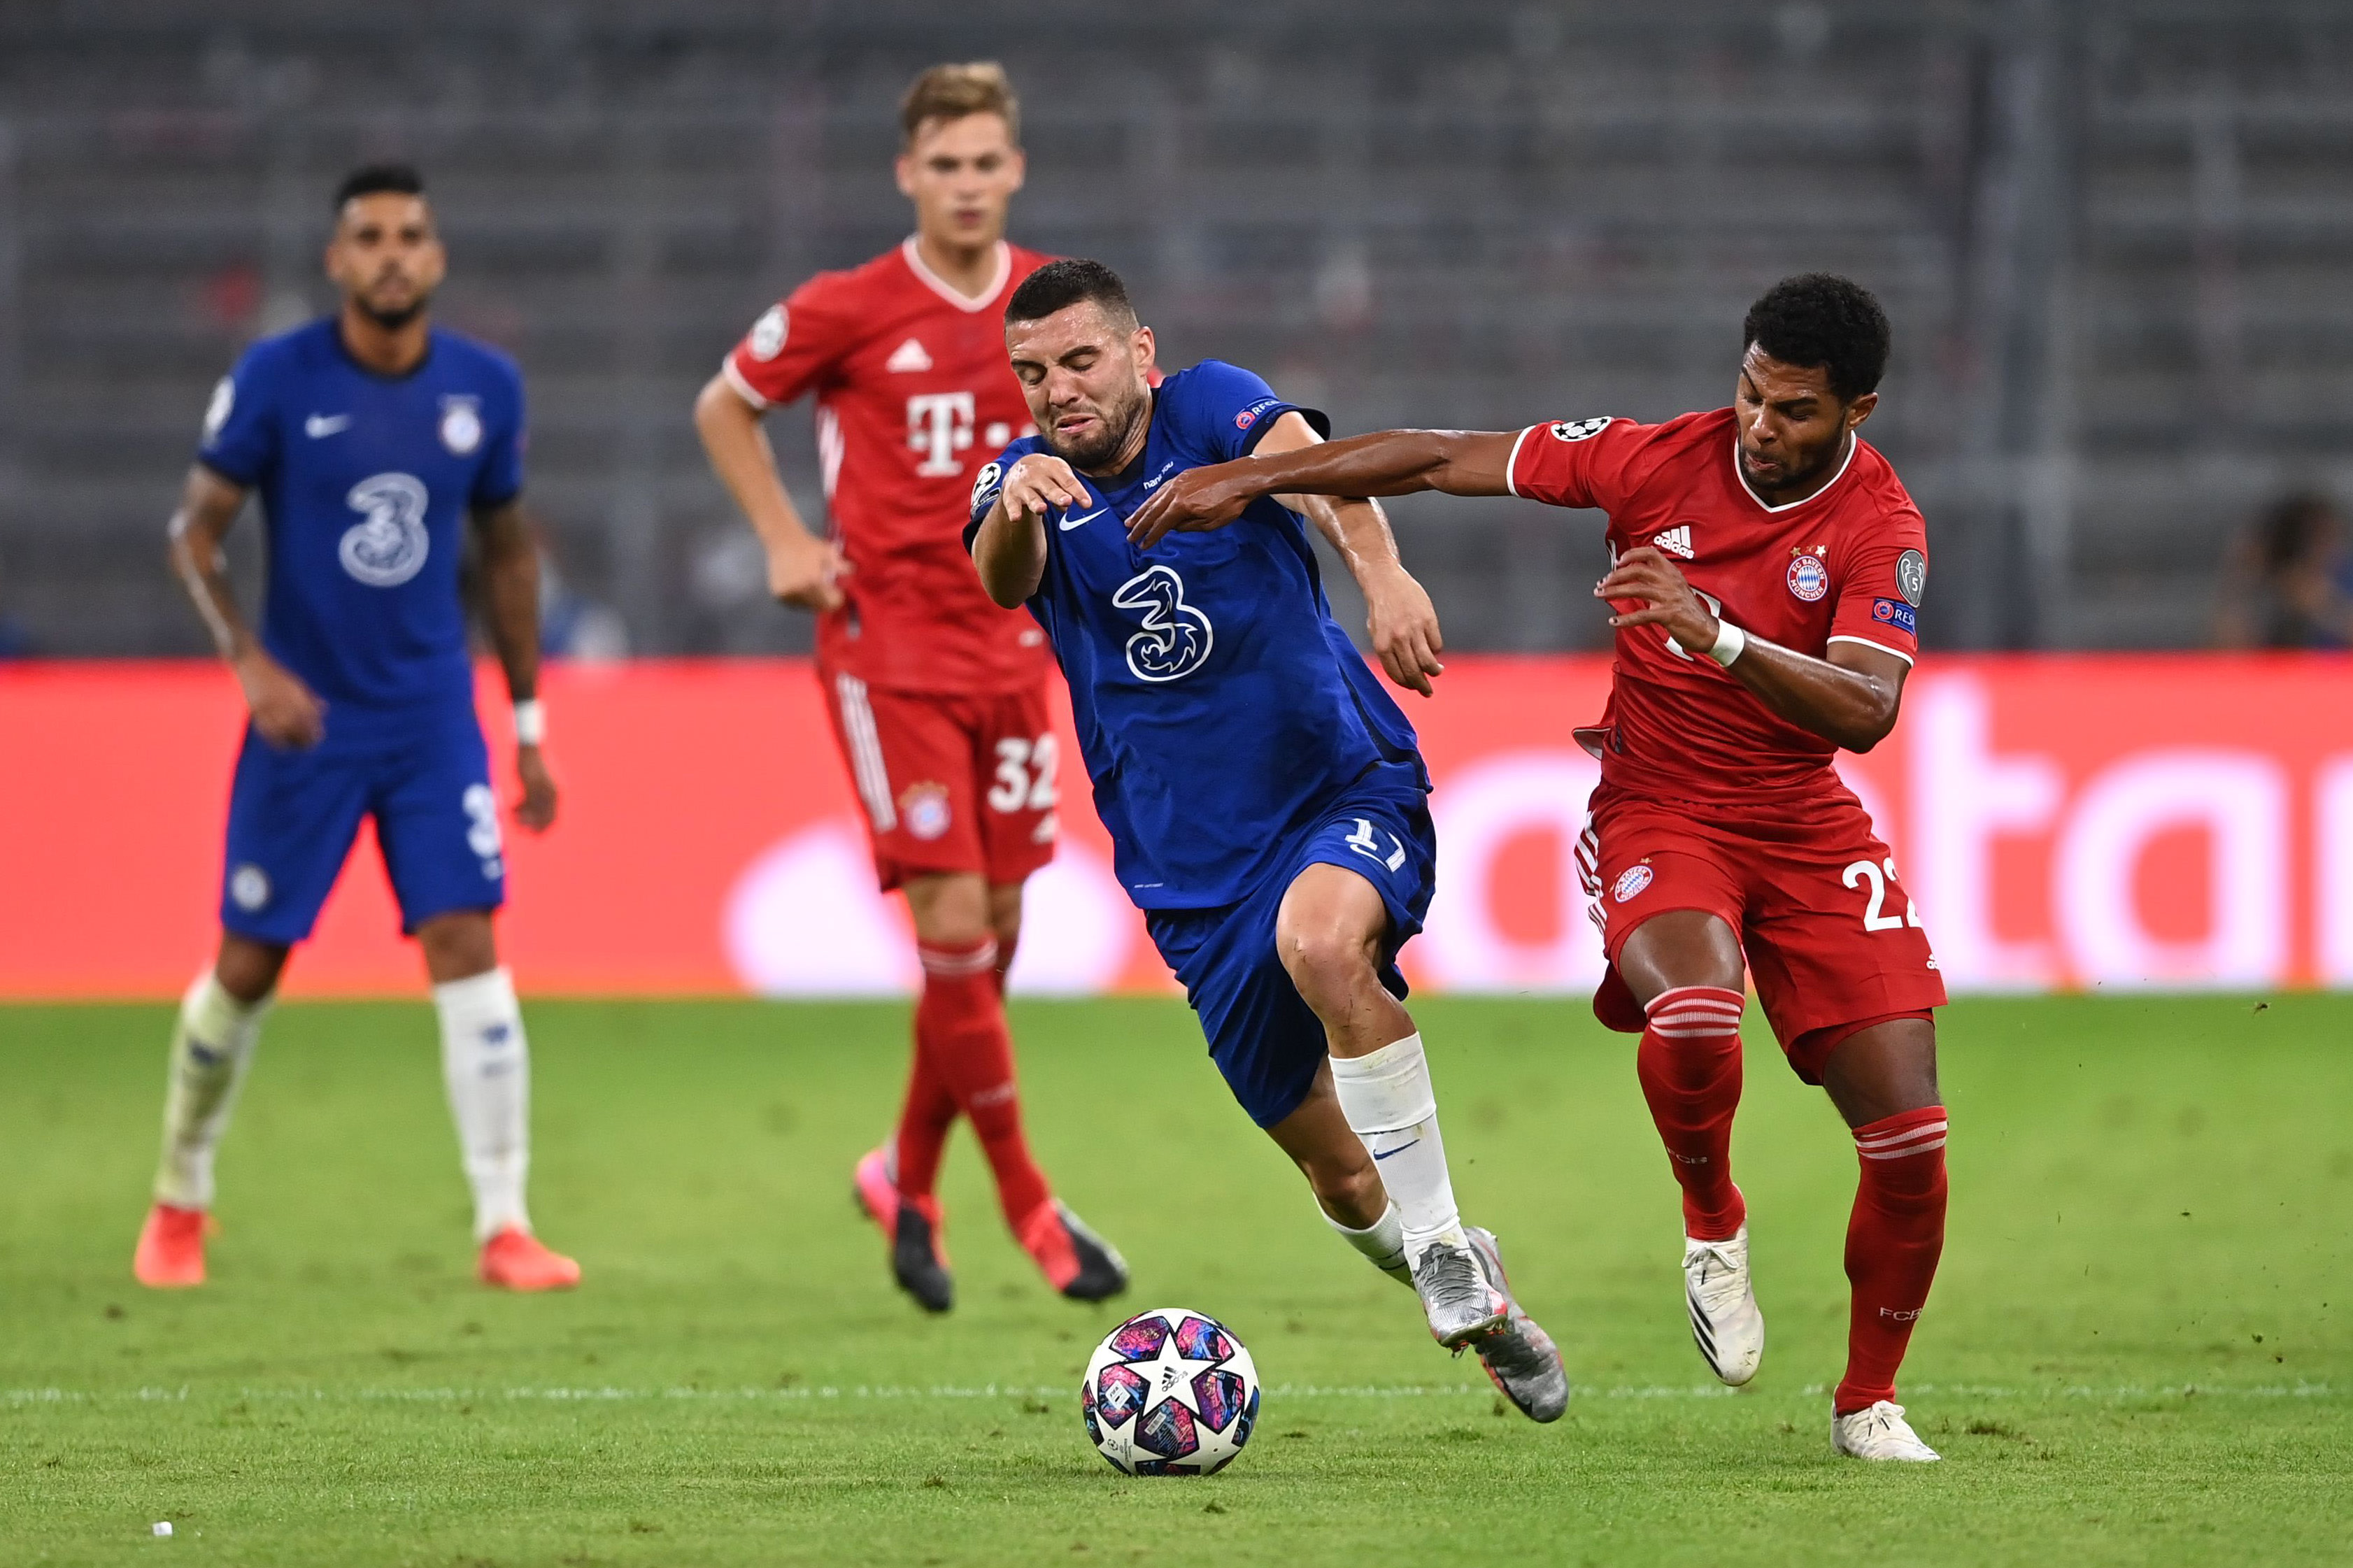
{"type": "Point", "coordinates": [388, 545]}
{"type": "Point", "coordinates": [1177, 639]}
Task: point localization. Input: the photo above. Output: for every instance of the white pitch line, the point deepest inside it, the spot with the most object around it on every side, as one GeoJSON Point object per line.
{"type": "Point", "coordinates": [1055, 1391]}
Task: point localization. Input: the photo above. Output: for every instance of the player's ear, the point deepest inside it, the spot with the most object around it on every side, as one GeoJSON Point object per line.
{"type": "Point", "coordinates": [903, 169]}
{"type": "Point", "coordinates": [1859, 409]}
{"type": "Point", "coordinates": [1142, 346]}
{"type": "Point", "coordinates": [1016, 168]}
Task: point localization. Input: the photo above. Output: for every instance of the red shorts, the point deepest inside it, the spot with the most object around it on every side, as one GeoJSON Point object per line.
{"type": "Point", "coordinates": [1831, 938]}
{"type": "Point", "coordinates": [950, 783]}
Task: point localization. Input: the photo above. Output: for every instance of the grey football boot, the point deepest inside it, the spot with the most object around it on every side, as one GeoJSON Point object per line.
{"type": "Point", "coordinates": [1456, 1298]}
{"type": "Point", "coordinates": [1520, 1358]}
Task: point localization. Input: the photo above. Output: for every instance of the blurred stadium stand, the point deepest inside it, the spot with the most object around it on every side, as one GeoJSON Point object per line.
{"type": "Point", "coordinates": [2114, 235]}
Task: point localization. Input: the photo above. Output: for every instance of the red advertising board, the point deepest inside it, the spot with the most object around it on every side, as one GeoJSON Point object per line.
{"type": "Point", "coordinates": [2166, 822]}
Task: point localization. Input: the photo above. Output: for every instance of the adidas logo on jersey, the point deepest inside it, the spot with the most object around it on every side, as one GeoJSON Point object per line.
{"type": "Point", "coordinates": [908, 356]}
{"type": "Point", "coordinates": [1676, 541]}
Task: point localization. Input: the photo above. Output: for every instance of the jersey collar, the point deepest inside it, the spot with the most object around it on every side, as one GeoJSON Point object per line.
{"type": "Point", "coordinates": [1853, 445]}
{"type": "Point", "coordinates": [946, 291]}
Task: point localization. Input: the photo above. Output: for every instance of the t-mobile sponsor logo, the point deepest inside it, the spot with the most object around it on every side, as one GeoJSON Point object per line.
{"type": "Point", "coordinates": [939, 425]}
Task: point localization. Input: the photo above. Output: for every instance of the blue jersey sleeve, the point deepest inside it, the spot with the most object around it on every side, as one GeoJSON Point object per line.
{"type": "Point", "coordinates": [241, 436]}
{"type": "Point", "coordinates": [500, 479]}
{"type": "Point", "coordinates": [989, 481]}
{"type": "Point", "coordinates": [1235, 409]}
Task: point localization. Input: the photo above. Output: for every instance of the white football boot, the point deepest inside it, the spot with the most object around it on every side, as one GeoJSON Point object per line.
{"type": "Point", "coordinates": [1456, 1298]}
{"type": "Point", "coordinates": [1521, 1360]}
{"type": "Point", "coordinates": [1725, 1323]}
{"type": "Point", "coordinates": [1880, 1432]}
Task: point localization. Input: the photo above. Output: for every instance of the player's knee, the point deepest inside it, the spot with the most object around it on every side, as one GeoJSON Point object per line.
{"type": "Point", "coordinates": [247, 969]}
{"type": "Point", "coordinates": [951, 910]}
{"type": "Point", "coordinates": [459, 946]}
{"type": "Point", "coordinates": [1323, 959]}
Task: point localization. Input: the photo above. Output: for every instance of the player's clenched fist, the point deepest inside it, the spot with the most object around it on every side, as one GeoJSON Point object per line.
{"type": "Point", "coordinates": [536, 810]}
{"type": "Point", "coordinates": [1039, 482]}
{"type": "Point", "coordinates": [286, 712]}
{"type": "Point", "coordinates": [1668, 599]}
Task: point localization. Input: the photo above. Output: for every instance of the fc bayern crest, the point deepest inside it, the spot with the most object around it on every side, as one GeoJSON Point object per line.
{"type": "Point", "coordinates": [924, 809]}
{"type": "Point", "coordinates": [461, 425]}
{"type": "Point", "coordinates": [1808, 578]}
{"type": "Point", "coordinates": [1630, 882]}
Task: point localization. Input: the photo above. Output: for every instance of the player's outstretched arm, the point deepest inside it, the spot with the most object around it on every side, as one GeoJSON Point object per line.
{"type": "Point", "coordinates": [511, 604]}
{"type": "Point", "coordinates": [1399, 616]}
{"type": "Point", "coordinates": [1010, 548]}
{"type": "Point", "coordinates": [1385, 463]}
{"type": "Point", "coordinates": [1849, 699]}
{"type": "Point", "coordinates": [803, 569]}
{"type": "Point", "coordinates": [286, 712]}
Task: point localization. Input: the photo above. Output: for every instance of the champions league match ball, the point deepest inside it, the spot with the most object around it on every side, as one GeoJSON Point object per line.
{"type": "Point", "coordinates": [1170, 1393]}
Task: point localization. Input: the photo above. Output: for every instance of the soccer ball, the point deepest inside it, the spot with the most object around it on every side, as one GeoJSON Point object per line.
{"type": "Point", "coordinates": [1170, 1393]}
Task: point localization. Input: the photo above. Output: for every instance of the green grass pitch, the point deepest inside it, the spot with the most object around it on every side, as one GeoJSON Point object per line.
{"type": "Point", "coordinates": [2137, 1352]}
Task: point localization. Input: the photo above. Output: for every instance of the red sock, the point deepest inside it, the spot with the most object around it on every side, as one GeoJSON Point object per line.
{"type": "Point", "coordinates": [1689, 1063]}
{"type": "Point", "coordinates": [1893, 1242]}
{"type": "Point", "coordinates": [929, 1112]}
{"type": "Point", "coordinates": [960, 1028]}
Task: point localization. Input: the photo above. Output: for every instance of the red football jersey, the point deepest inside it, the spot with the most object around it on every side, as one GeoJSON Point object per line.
{"type": "Point", "coordinates": [913, 395]}
{"type": "Point", "coordinates": [1849, 563]}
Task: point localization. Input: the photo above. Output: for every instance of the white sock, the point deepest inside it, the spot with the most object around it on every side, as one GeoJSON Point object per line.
{"type": "Point", "coordinates": [488, 1068]}
{"type": "Point", "coordinates": [1383, 1241]}
{"type": "Point", "coordinates": [211, 1045]}
{"type": "Point", "coordinates": [1389, 1104]}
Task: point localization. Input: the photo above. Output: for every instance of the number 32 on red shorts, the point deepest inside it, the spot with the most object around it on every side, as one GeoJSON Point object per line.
{"type": "Point", "coordinates": [949, 782]}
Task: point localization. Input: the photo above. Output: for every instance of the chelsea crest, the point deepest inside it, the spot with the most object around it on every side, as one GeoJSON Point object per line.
{"type": "Point", "coordinates": [461, 425]}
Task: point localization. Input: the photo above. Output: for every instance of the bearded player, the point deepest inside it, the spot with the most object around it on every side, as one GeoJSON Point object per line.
{"type": "Point", "coordinates": [938, 697]}
{"type": "Point", "coordinates": [1266, 799]}
{"type": "Point", "coordinates": [1766, 569]}
{"type": "Point", "coordinates": [375, 440]}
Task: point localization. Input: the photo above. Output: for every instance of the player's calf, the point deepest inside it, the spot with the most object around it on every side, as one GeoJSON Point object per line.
{"type": "Point", "coordinates": [1893, 1240]}
{"type": "Point", "coordinates": [212, 1044]}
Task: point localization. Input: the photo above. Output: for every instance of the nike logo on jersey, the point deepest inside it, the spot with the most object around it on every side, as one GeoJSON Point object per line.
{"type": "Point", "coordinates": [1070, 522]}
{"type": "Point", "coordinates": [908, 357]}
{"type": "Point", "coordinates": [321, 425]}
{"type": "Point", "coordinates": [1676, 541]}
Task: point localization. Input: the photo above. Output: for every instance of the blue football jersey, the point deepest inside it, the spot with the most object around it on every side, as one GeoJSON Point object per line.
{"type": "Point", "coordinates": [365, 481]}
{"type": "Point", "coordinates": [1219, 703]}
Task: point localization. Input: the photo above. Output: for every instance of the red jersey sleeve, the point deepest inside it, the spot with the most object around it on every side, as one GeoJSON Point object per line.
{"type": "Point", "coordinates": [1880, 590]}
{"type": "Point", "coordinates": [793, 344]}
{"type": "Point", "coordinates": [1577, 462]}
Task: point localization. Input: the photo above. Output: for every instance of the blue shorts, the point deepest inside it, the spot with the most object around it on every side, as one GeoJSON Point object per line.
{"type": "Point", "coordinates": [424, 774]}
{"type": "Point", "coordinates": [1262, 1035]}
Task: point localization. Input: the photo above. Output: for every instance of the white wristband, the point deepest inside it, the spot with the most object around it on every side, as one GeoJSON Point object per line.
{"type": "Point", "coordinates": [1731, 642]}
{"type": "Point", "coordinates": [530, 722]}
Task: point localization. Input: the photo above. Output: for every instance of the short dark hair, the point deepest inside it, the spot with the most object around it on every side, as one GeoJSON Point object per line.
{"type": "Point", "coordinates": [1821, 319]}
{"type": "Point", "coordinates": [375, 179]}
{"type": "Point", "coordinates": [1074, 280]}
